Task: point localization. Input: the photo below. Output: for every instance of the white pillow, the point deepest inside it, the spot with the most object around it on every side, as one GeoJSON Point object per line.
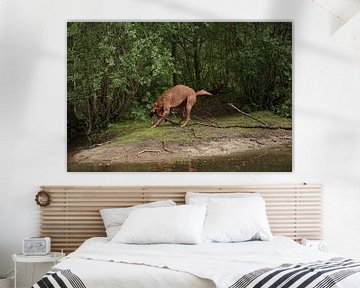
{"type": "Point", "coordinates": [203, 198]}
{"type": "Point", "coordinates": [236, 220]}
{"type": "Point", "coordinates": [113, 218]}
{"type": "Point", "coordinates": [180, 224]}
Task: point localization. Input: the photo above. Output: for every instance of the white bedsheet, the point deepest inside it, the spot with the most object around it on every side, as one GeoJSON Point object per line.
{"type": "Point", "coordinates": [102, 264]}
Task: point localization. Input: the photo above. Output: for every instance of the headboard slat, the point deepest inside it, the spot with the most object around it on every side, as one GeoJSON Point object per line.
{"type": "Point", "coordinates": [73, 216]}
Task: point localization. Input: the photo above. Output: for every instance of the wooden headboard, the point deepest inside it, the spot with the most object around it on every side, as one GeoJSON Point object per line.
{"type": "Point", "coordinates": [73, 215]}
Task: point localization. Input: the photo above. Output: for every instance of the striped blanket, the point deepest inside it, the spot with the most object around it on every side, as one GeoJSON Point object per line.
{"type": "Point", "coordinates": [59, 278]}
{"type": "Point", "coordinates": [320, 274]}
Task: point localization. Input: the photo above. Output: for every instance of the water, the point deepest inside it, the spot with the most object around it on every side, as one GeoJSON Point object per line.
{"type": "Point", "coordinates": [269, 160]}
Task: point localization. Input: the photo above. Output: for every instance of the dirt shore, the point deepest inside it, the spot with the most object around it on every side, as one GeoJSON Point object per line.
{"type": "Point", "coordinates": [154, 150]}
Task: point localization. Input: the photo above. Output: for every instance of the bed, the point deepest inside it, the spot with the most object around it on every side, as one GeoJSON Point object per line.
{"type": "Point", "coordinates": [99, 263]}
{"type": "Point", "coordinates": [294, 211]}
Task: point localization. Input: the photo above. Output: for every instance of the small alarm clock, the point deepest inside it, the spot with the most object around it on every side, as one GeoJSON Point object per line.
{"type": "Point", "coordinates": [36, 246]}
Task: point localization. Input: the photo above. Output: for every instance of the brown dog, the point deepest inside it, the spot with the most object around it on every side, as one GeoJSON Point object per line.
{"type": "Point", "coordinates": [179, 96]}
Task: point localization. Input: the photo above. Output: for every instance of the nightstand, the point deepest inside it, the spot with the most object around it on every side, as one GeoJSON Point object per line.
{"type": "Point", "coordinates": [320, 245]}
{"type": "Point", "coordinates": [53, 257]}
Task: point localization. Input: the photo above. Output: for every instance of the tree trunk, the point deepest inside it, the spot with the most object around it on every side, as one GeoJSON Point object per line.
{"type": "Point", "coordinates": [90, 108]}
{"type": "Point", "coordinates": [197, 63]}
{"type": "Point", "coordinates": [175, 76]}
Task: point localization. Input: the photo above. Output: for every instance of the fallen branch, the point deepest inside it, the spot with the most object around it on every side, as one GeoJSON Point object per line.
{"type": "Point", "coordinates": [248, 126]}
{"type": "Point", "coordinates": [166, 149]}
{"type": "Point", "coordinates": [172, 122]}
{"type": "Point", "coordinates": [167, 119]}
{"type": "Point", "coordinates": [246, 114]}
{"type": "Point", "coordinates": [99, 144]}
{"type": "Point", "coordinates": [148, 150]}
{"type": "Point", "coordinates": [196, 136]}
{"type": "Point", "coordinates": [206, 120]}
{"type": "Point", "coordinates": [258, 142]}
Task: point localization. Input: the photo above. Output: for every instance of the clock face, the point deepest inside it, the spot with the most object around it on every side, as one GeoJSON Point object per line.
{"type": "Point", "coordinates": [40, 245]}
{"type": "Point", "coordinates": [29, 245]}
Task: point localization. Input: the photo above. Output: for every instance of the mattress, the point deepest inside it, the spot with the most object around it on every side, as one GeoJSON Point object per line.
{"type": "Point", "coordinates": [99, 263]}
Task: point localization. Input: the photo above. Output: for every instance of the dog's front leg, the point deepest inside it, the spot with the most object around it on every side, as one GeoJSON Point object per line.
{"type": "Point", "coordinates": [157, 123]}
{"type": "Point", "coordinates": [162, 118]}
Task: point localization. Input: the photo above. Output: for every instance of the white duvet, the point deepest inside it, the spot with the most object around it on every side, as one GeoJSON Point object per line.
{"type": "Point", "coordinates": [100, 263]}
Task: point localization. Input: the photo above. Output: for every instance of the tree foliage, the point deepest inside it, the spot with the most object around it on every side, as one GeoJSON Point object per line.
{"type": "Point", "coordinates": [117, 69]}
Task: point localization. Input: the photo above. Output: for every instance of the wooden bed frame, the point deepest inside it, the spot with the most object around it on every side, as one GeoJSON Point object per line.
{"type": "Point", "coordinates": [73, 215]}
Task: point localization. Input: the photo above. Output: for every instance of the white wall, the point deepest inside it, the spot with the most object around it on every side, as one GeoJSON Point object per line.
{"type": "Point", "coordinates": [33, 108]}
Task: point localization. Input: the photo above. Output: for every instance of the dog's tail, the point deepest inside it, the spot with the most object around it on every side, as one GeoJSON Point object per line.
{"type": "Point", "coordinates": [203, 93]}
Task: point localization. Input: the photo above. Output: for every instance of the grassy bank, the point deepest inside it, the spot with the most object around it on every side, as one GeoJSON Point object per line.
{"type": "Point", "coordinates": [130, 132]}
